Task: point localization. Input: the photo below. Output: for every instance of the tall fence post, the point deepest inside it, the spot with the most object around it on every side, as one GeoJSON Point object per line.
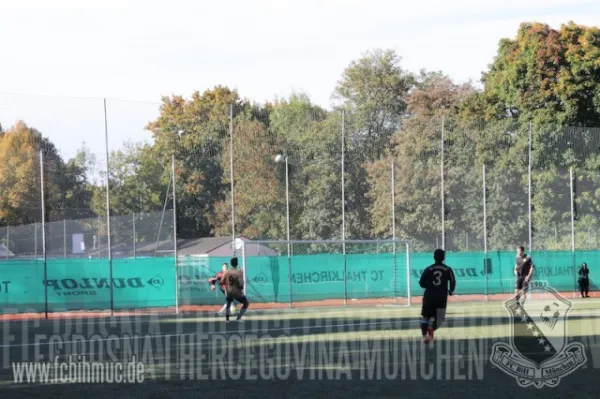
{"type": "Point", "coordinates": [485, 234]}
{"type": "Point", "coordinates": [393, 190]}
{"type": "Point", "coordinates": [35, 240]}
{"type": "Point", "coordinates": [245, 272]}
{"type": "Point", "coordinates": [572, 190]}
{"type": "Point", "coordinates": [529, 157]}
{"type": "Point", "coordinates": [43, 204]}
{"type": "Point", "coordinates": [343, 165]}
{"type": "Point", "coordinates": [134, 237]}
{"type": "Point", "coordinates": [65, 238]}
{"type": "Point", "coordinates": [344, 205]}
{"type": "Point", "coordinates": [571, 184]}
{"type": "Point", "coordinates": [443, 188]}
{"type": "Point", "coordinates": [162, 215]}
{"type": "Point", "coordinates": [110, 266]}
{"type": "Point", "coordinates": [408, 267]}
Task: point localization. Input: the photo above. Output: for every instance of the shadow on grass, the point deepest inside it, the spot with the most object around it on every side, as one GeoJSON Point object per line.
{"type": "Point", "coordinates": [29, 333]}
{"type": "Point", "coordinates": [364, 366]}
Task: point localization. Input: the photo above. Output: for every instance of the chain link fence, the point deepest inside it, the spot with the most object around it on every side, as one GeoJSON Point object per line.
{"type": "Point", "coordinates": [110, 181]}
{"type": "Point", "coordinates": [287, 170]}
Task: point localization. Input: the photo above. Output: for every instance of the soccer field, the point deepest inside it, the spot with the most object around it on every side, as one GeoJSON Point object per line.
{"type": "Point", "coordinates": [358, 352]}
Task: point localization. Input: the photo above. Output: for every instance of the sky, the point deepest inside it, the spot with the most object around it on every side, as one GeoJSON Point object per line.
{"type": "Point", "coordinates": [61, 58]}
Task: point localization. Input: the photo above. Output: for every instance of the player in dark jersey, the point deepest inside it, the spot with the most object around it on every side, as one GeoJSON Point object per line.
{"type": "Point", "coordinates": [523, 271]}
{"type": "Point", "coordinates": [439, 282]}
{"type": "Point", "coordinates": [584, 280]}
{"type": "Point", "coordinates": [234, 287]}
{"type": "Point", "coordinates": [217, 279]}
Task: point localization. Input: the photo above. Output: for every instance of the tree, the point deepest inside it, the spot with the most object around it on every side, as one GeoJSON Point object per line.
{"type": "Point", "coordinates": [312, 139]}
{"type": "Point", "coordinates": [543, 80]}
{"type": "Point", "coordinates": [75, 181]}
{"type": "Point", "coordinates": [373, 93]}
{"type": "Point", "coordinates": [546, 76]}
{"type": "Point", "coordinates": [138, 188]}
{"type": "Point", "coordinates": [20, 201]}
{"type": "Point", "coordinates": [416, 155]}
{"type": "Point", "coordinates": [373, 90]}
{"type": "Point", "coordinates": [85, 159]}
{"type": "Point", "coordinates": [259, 203]}
{"type": "Point", "coordinates": [138, 181]}
{"type": "Point", "coordinates": [196, 132]}
{"type": "Point", "coordinates": [21, 177]}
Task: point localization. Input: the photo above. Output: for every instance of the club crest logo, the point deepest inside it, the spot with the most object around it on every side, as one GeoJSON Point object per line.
{"type": "Point", "coordinates": [539, 353]}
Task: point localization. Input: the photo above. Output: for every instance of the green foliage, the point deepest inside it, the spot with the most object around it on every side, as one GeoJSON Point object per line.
{"type": "Point", "coordinates": [20, 182]}
{"type": "Point", "coordinates": [373, 89]}
{"type": "Point", "coordinates": [546, 76]}
{"type": "Point", "coordinates": [543, 82]}
{"type": "Point", "coordinates": [138, 181]}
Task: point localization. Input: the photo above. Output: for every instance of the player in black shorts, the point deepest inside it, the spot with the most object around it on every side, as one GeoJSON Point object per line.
{"type": "Point", "coordinates": [523, 272]}
{"type": "Point", "coordinates": [233, 280]}
{"type": "Point", "coordinates": [584, 280]}
{"type": "Point", "coordinates": [217, 279]}
{"type": "Point", "coordinates": [439, 282]}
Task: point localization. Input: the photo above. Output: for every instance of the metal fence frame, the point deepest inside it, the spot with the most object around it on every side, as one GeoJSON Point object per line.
{"type": "Point", "coordinates": [342, 244]}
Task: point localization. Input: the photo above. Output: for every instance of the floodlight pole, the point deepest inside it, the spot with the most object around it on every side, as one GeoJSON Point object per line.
{"type": "Point", "coordinates": [287, 217]}
{"type": "Point", "coordinates": [287, 201]}
{"type": "Point", "coordinates": [175, 233]}
{"type": "Point", "coordinates": [231, 148]}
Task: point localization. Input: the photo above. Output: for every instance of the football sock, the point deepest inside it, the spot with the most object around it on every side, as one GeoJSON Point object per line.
{"type": "Point", "coordinates": [424, 326]}
{"type": "Point", "coordinates": [242, 312]}
{"type": "Point", "coordinates": [518, 298]}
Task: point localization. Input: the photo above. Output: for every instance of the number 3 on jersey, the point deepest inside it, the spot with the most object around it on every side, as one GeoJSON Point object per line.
{"type": "Point", "coordinates": [438, 278]}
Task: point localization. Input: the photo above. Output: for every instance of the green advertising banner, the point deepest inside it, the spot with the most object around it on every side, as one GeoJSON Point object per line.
{"type": "Point", "coordinates": [84, 284]}
{"type": "Point", "coordinates": [75, 284]}
{"type": "Point", "coordinates": [360, 276]}
{"type": "Point", "coordinates": [21, 286]}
